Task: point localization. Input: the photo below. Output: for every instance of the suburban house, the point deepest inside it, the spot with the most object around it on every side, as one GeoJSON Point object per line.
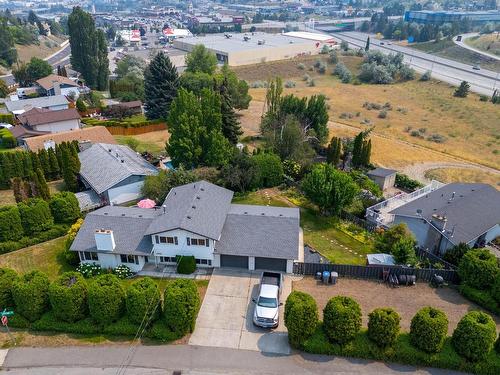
{"type": "Point", "coordinates": [57, 85]}
{"type": "Point", "coordinates": [115, 173]}
{"type": "Point", "coordinates": [384, 178]}
{"type": "Point", "coordinates": [54, 103]}
{"type": "Point", "coordinates": [46, 120]}
{"type": "Point", "coordinates": [442, 216]}
{"type": "Point", "coordinates": [197, 220]}
{"type": "Point", "coordinates": [84, 136]}
{"type": "Point", "coordinates": [134, 107]}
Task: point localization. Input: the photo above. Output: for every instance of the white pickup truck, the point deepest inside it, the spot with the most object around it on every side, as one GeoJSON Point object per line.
{"type": "Point", "coordinates": [266, 312]}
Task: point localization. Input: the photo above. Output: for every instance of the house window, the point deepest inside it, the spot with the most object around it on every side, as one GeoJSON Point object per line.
{"type": "Point", "coordinates": [133, 259]}
{"type": "Point", "coordinates": [205, 262]}
{"type": "Point", "coordinates": [88, 255]}
{"type": "Point", "coordinates": [197, 241]}
{"type": "Point", "coordinates": [167, 240]}
{"type": "Point", "coordinates": [168, 260]}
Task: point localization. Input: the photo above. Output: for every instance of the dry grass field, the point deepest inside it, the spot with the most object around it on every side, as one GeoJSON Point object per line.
{"type": "Point", "coordinates": [153, 142]}
{"type": "Point", "coordinates": [463, 175]}
{"type": "Point", "coordinates": [471, 128]}
{"type": "Point", "coordinates": [489, 43]}
{"type": "Point", "coordinates": [47, 46]}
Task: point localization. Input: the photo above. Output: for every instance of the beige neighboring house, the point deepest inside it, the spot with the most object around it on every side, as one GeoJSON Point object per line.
{"type": "Point", "coordinates": [57, 85]}
{"type": "Point", "coordinates": [85, 136]}
{"type": "Point", "coordinates": [45, 120]}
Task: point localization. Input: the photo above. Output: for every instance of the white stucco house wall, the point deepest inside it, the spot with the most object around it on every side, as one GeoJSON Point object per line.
{"type": "Point", "coordinates": [197, 220]}
{"type": "Point", "coordinates": [49, 121]}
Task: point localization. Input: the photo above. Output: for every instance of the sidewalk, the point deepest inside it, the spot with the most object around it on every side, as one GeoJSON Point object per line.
{"type": "Point", "coordinates": [170, 272]}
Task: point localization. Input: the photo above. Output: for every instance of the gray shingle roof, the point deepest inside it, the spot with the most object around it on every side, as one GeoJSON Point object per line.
{"type": "Point", "coordinates": [474, 209]}
{"type": "Point", "coordinates": [42, 102]}
{"type": "Point", "coordinates": [128, 225]}
{"type": "Point", "coordinates": [262, 231]}
{"type": "Point", "coordinates": [381, 172]}
{"type": "Point", "coordinates": [104, 165]}
{"type": "Point", "coordinates": [199, 207]}
{"type": "Point", "coordinates": [88, 200]}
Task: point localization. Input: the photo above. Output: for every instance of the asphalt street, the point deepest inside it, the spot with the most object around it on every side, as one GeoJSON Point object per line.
{"type": "Point", "coordinates": [189, 360]}
{"type": "Point", "coordinates": [482, 81]}
{"type": "Point", "coordinates": [462, 44]}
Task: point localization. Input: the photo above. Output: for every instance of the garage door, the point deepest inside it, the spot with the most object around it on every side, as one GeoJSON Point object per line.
{"type": "Point", "coordinates": [234, 261]}
{"type": "Point", "coordinates": [270, 264]}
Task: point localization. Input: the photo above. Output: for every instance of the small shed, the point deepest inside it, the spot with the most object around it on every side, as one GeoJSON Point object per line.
{"type": "Point", "coordinates": [380, 260]}
{"type": "Point", "coordinates": [384, 178]}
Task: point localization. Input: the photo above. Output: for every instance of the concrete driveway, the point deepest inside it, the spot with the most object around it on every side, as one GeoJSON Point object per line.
{"type": "Point", "coordinates": [225, 317]}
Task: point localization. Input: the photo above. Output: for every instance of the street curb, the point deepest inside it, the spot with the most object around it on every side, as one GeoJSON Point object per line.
{"type": "Point", "coordinates": [3, 355]}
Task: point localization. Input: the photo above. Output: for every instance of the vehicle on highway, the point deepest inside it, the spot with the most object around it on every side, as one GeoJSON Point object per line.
{"type": "Point", "coordinates": [476, 67]}
{"type": "Point", "coordinates": [266, 311]}
{"type": "Point", "coordinates": [382, 43]}
{"type": "Point", "coordinates": [459, 38]}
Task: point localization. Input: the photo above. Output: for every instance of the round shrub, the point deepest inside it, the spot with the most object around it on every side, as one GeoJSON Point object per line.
{"type": "Point", "coordinates": [68, 297]}
{"type": "Point", "coordinates": [35, 215]}
{"type": "Point", "coordinates": [143, 301]}
{"type": "Point", "coordinates": [301, 317]}
{"type": "Point", "coordinates": [383, 326]}
{"type": "Point", "coordinates": [478, 268]}
{"type": "Point", "coordinates": [64, 207]}
{"type": "Point", "coordinates": [341, 319]}
{"type": "Point", "coordinates": [428, 329]}
{"type": "Point", "coordinates": [106, 299]}
{"type": "Point", "coordinates": [7, 277]}
{"type": "Point", "coordinates": [186, 264]}
{"type": "Point", "coordinates": [30, 294]}
{"type": "Point", "coordinates": [11, 228]}
{"type": "Point", "coordinates": [475, 335]}
{"type": "Point", "coordinates": [181, 302]}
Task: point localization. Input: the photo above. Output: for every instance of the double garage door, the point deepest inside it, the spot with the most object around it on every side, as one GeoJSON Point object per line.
{"type": "Point", "coordinates": [261, 263]}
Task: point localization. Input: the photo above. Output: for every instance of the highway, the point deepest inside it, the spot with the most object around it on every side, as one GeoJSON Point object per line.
{"type": "Point", "coordinates": [59, 58]}
{"type": "Point", "coordinates": [482, 81]}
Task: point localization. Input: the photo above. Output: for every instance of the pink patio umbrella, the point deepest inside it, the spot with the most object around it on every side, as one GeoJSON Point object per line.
{"type": "Point", "coordinates": [146, 203]}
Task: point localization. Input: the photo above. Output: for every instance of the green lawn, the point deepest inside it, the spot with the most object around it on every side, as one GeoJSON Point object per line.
{"type": "Point", "coordinates": [45, 257]}
{"type": "Point", "coordinates": [332, 238]}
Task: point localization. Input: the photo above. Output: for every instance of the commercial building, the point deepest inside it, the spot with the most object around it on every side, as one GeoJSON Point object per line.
{"type": "Point", "coordinates": [440, 17]}
{"type": "Point", "coordinates": [253, 48]}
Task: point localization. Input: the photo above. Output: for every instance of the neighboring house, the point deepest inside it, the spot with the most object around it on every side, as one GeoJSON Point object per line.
{"type": "Point", "coordinates": [133, 107]}
{"type": "Point", "coordinates": [84, 136]}
{"type": "Point", "coordinates": [55, 103]}
{"type": "Point", "coordinates": [384, 178]}
{"type": "Point", "coordinates": [57, 85]}
{"type": "Point", "coordinates": [196, 219]}
{"type": "Point", "coordinates": [452, 214]}
{"type": "Point", "coordinates": [46, 120]}
{"type": "Point", "coordinates": [115, 173]}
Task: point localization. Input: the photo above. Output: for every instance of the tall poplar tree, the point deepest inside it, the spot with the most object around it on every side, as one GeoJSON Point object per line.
{"type": "Point", "coordinates": [161, 83]}
{"type": "Point", "coordinates": [230, 124]}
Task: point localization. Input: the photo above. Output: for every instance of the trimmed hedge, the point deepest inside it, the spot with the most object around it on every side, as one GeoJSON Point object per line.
{"type": "Point", "coordinates": [120, 124]}
{"type": "Point", "coordinates": [301, 317]}
{"type": "Point", "coordinates": [186, 265]}
{"type": "Point", "coordinates": [30, 294]}
{"type": "Point", "coordinates": [7, 277]}
{"type": "Point", "coordinates": [64, 207]}
{"type": "Point", "coordinates": [180, 305]}
{"type": "Point", "coordinates": [68, 297]}
{"type": "Point", "coordinates": [7, 118]}
{"type": "Point", "coordinates": [475, 335]}
{"type": "Point", "coordinates": [482, 297]}
{"type": "Point", "coordinates": [478, 268]}
{"type": "Point", "coordinates": [428, 329]}
{"type": "Point", "coordinates": [401, 352]}
{"type": "Point", "coordinates": [35, 215]}
{"type": "Point", "coordinates": [143, 301]}
{"type": "Point", "coordinates": [106, 299]}
{"type": "Point", "coordinates": [11, 228]}
{"type": "Point", "coordinates": [342, 319]}
{"type": "Point", "coordinates": [383, 326]}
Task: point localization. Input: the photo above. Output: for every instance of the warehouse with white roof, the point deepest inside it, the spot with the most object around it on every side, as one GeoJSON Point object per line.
{"type": "Point", "coordinates": [253, 48]}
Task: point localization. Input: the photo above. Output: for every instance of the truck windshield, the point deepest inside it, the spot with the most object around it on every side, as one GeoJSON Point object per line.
{"type": "Point", "coordinates": [267, 302]}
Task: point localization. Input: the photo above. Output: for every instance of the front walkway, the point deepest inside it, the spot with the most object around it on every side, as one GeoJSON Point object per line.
{"type": "Point", "coordinates": [170, 272]}
{"type": "Point", "coordinates": [225, 317]}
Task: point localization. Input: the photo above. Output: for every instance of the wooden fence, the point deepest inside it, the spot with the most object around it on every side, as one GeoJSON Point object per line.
{"type": "Point", "coordinates": [358, 221]}
{"type": "Point", "coordinates": [119, 130]}
{"type": "Point", "coordinates": [374, 272]}
{"type": "Point", "coordinates": [422, 253]}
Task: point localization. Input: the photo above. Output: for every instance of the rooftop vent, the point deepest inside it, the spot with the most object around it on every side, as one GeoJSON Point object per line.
{"type": "Point", "coordinates": [202, 189]}
{"type": "Point", "coordinates": [189, 217]}
{"type": "Point", "coordinates": [262, 213]}
{"type": "Point", "coordinates": [193, 206]}
{"type": "Point", "coordinates": [105, 213]}
{"type": "Point", "coordinates": [246, 213]}
{"type": "Point", "coordinates": [140, 215]}
{"type": "Point", "coordinates": [123, 214]}
{"type": "Point", "coordinates": [197, 197]}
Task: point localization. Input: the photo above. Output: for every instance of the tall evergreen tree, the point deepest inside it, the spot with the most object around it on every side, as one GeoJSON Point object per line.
{"type": "Point", "coordinates": [43, 156]}
{"type": "Point", "coordinates": [334, 151]}
{"type": "Point", "coordinates": [69, 170]}
{"type": "Point", "coordinates": [230, 124]}
{"type": "Point", "coordinates": [88, 49]}
{"type": "Point", "coordinates": [367, 150]}
{"type": "Point", "coordinates": [53, 164]}
{"type": "Point", "coordinates": [161, 83]}
{"type": "Point", "coordinates": [35, 162]}
{"type": "Point", "coordinates": [43, 188]}
{"type": "Point", "coordinates": [357, 151]}
{"type": "Point", "coordinates": [367, 46]}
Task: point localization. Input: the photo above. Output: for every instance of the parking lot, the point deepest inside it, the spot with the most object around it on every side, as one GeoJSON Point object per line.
{"type": "Point", "coordinates": [225, 317]}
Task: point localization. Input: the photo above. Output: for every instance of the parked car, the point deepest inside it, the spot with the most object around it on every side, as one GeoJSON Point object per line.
{"type": "Point", "coordinates": [4, 125]}
{"type": "Point", "coordinates": [266, 311]}
{"type": "Point", "coordinates": [476, 67]}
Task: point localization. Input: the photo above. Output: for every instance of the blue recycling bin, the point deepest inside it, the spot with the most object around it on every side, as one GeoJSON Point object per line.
{"type": "Point", "coordinates": [326, 277]}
